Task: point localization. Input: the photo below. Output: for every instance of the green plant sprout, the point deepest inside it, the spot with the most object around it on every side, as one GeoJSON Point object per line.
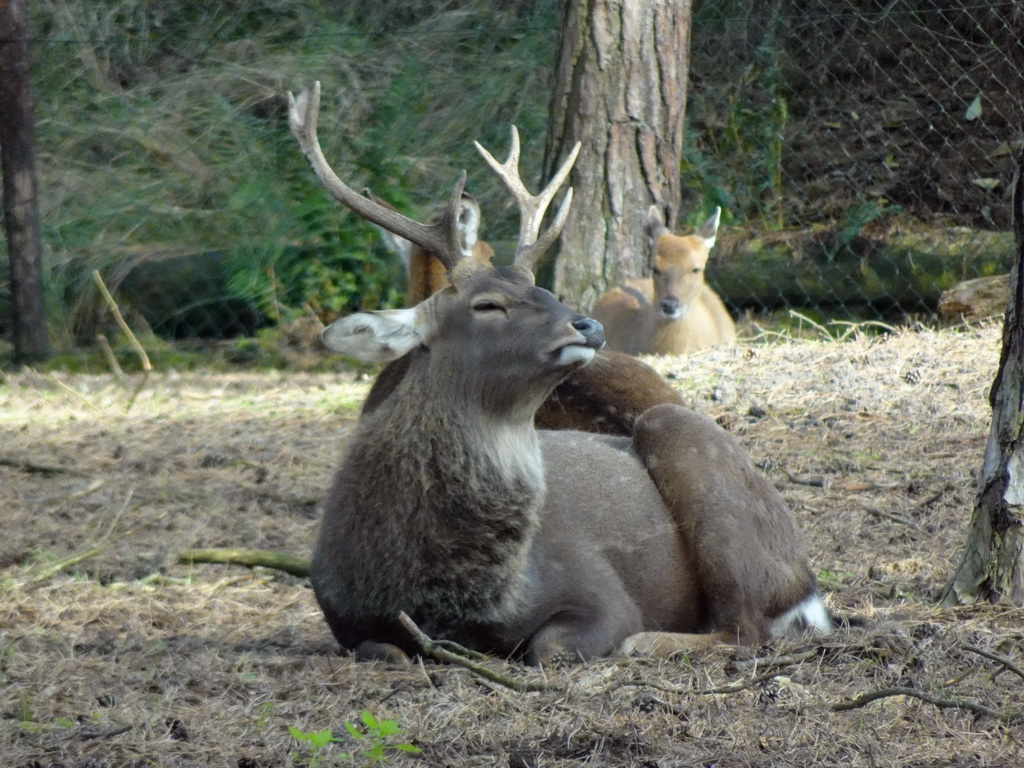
{"type": "Point", "coordinates": [374, 737]}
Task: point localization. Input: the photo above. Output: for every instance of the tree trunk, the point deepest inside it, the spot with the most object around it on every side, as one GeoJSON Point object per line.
{"type": "Point", "coordinates": [21, 212]}
{"type": "Point", "coordinates": [992, 565]}
{"type": "Point", "coordinates": [620, 89]}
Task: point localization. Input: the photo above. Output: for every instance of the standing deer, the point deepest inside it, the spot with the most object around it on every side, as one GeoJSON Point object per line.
{"type": "Point", "coordinates": [450, 506]}
{"type": "Point", "coordinates": [674, 311]}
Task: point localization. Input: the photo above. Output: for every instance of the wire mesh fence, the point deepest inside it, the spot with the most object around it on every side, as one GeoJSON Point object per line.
{"type": "Point", "coordinates": [863, 151]}
{"type": "Point", "coordinates": [877, 140]}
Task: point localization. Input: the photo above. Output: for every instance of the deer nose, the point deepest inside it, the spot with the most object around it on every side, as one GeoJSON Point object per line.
{"type": "Point", "coordinates": [592, 331]}
{"type": "Point", "coordinates": [670, 306]}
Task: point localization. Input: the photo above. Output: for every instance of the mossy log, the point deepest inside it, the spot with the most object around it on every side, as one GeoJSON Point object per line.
{"type": "Point", "coordinates": [976, 299]}
{"type": "Point", "coordinates": [829, 266]}
{"type": "Point", "coordinates": [250, 558]}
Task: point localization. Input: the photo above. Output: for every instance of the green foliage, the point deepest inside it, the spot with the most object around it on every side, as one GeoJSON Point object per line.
{"type": "Point", "coordinates": [858, 216]}
{"type": "Point", "coordinates": [834, 581]}
{"type": "Point", "coordinates": [733, 154]}
{"type": "Point", "coordinates": [374, 737]}
{"type": "Point", "coordinates": [316, 742]}
{"type": "Point", "coordinates": [162, 135]}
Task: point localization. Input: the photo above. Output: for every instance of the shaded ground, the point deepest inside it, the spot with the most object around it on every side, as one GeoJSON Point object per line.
{"type": "Point", "coordinates": [131, 659]}
{"type": "Point", "coordinates": [892, 110]}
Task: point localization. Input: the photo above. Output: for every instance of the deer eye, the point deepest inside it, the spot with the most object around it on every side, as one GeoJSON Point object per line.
{"type": "Point", "coordinates": [696, 270]}
{"type": "Point", "coordinates": [487, 305]}
{"type": "Point", "coordinates": [656, 272]}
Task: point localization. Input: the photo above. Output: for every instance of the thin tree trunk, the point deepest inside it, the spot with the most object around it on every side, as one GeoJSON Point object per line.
{"type": "Point", "coordinates": [620, 89]}
{"type": "Point", "coordinates": [21, 212]}
{"type": "Point", "coordinates": [992, 565]}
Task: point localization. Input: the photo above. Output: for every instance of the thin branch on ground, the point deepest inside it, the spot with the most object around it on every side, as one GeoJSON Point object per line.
{"type": "Point", "coordinates": [250, 558]}
{"type": "Point", "coordinates": [77, 395]}
{"type": "Point", "coordinates": [889, 516]}
{"type": "Point", "coordinates": [439, 652]}
{"type": "Point", "coordinates": [111, 358]}
{"type": "Point", "coordinates": [1006, 662]}
{"type": "Point", "coordinates": [814, 481]}
{"type": "Point", "coordinates": [99, 735]}
{"type": "Point", "coordinates": [41, 469]}
{"type": "Point", "coordinates": [964, 705]}
{"type": "Point", "coordinates": [42, 573]}
{"type": "Point", "coordinates": [679, 690]}
{"type": "Point", "coordinates": [81, 493]}
{"type": "Point", "coordinates": [147, 367]}
{"type": "Point", "coordinates": [773, 662]}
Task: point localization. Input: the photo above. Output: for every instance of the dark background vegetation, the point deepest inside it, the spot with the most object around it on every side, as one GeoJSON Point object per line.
{"type": "Point", "coordinates": [165, 160]}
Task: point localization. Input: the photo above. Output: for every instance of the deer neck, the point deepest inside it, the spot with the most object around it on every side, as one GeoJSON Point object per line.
{"type": "Point", "coordinates": [464, 485]}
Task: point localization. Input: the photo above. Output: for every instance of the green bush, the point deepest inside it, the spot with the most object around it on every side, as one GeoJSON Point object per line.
{"type": "Point", "coordinates": [162, 137]}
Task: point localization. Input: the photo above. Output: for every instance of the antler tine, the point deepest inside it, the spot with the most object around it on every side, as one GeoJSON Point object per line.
{"type": "Point", "coordinates": [440, 238]}
{"type": "Point", "coordinates": [532, 207]}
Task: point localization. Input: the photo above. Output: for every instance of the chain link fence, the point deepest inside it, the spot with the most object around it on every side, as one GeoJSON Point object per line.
{"type": "Point", "coordinates": [863, 151]}
{"type": "Point", "coordinates": [875, 142]}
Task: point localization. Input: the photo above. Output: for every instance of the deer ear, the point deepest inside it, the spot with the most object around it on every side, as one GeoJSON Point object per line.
{"type": "Point", "coordinates": [375, 337]}
{"type": "Point", "coordinates": [709, 229]}
{"type": "Point", "coordinates": [468, 223]}
{"type": "Point", "coordinates": [654, 228]}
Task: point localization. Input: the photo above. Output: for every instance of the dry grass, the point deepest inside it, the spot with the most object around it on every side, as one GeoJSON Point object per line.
{"type": "Point", "coordinates": [127, 658]}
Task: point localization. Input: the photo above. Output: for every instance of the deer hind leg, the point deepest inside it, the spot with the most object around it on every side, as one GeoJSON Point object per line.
{"type": "Point", "coordinates": [592, 616]}
{"type": "Point", "coordinates": [669, 645]}
{"type": "Point", "coordinates": [747, 548]}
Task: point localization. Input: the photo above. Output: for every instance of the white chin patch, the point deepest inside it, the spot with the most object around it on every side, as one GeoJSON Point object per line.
{"type": "Point", "coordinates": [575, 353]}
{"type": "Point", "coordinates": [675, 315]}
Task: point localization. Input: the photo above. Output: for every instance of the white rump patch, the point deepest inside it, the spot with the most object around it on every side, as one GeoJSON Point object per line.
{"type": "Point", "coordinates": [375, 337]}
{"type": "Point", "coordinates": [809, 614]}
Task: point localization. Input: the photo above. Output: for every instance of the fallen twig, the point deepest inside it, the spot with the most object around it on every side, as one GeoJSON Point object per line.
{"type": "Point", "coordinates": [97, 735]}
{"type": "Point", "coordinates": [965, 705]}
{"type": "Point", "coordinates": [81, 493]}
{"type": "Point", "coordinates": [147, 368]}
{"type": "Point", "coordinates": [77, 395]}
{"type": "Point", "coordinates": [42, 469]}
{"type": "Point", "coordinates": [814, 481]}
{"type": "Point", "coordinates": [250, 558]}
{"type": "Point", "coordinates": [889, 516]}
{"type": "Point", "coordinates": [1006, 662]}
{"type": "Point", "coordinates": [108, 353]}
{"type": "Point", "coordinates": [740, 685]}
{"type": "Point", "coordinates": [774, 662]}
{"type": "Point", "coordinates": [439, 652]}
{"type": "Point", "coordinates": [42, 573]}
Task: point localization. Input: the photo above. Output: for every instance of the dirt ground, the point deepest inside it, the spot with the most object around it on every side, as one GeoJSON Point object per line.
{"type": "Point", "coordinates": [129, 658]}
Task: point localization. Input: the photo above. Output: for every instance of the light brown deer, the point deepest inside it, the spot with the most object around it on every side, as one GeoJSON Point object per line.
{"type": "Point", "coordinates": [450, 506]}
{"type": "Point", "coordinates": [674, 311]}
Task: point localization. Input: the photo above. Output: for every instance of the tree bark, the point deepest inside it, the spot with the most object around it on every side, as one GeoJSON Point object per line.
{"type": "Point", "coordinates": [21, 211]}
{"type": "Point", "coordinates": [620, 89]}
{"type": "Point", "coordinates": [992, 565]}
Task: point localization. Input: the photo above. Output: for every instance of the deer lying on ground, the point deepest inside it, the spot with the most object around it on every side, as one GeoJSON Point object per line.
{"type": "Point", "coordinates": [606, 396]}
{"type": "Point", "coordinates": [450, 506]}
{"type": "Point", "coordinates": [674, 311]}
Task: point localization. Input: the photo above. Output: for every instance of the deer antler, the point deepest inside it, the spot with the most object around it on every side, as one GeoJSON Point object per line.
{"type": "Point", "coordinates": [532, 207]}
{"type": "Point", "coordinates": [440, 238]}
